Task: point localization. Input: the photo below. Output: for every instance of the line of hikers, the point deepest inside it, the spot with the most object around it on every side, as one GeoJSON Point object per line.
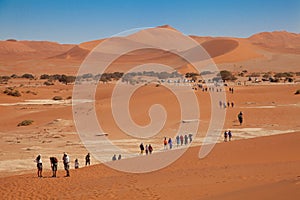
{"type": "Point", "coordinates": [54, 164]}
{"type": "Point", "coordinates": [114, 158]}
{"type": "Point", "coordinates": [226, 105]}
{"type": "Point", "coordinates": [180, 140]}
{"type": "Point", "coordinates": [148, 149]}
{"type": "Point", "coordinates": [227, 134]}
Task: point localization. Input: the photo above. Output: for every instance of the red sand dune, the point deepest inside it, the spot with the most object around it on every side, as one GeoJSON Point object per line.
{"type": "Point", "coordinates": [277, 41]}
{"type": "Point", "coordinates": [267, 51]}
{"type": "Point", "coordinates": [261, 168]}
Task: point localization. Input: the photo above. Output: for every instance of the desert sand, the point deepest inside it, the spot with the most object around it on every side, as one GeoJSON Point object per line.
{"type": "Point", "coordinates": [251, 168]}
{"type": "Point", "coordinates": [266, 51]}
{"type": "Point", "coordinates": [260, 168]}
{"type": "Point", "coordinates": [261, 162]}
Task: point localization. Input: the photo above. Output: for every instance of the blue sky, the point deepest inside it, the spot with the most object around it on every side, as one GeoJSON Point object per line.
{"type": "Point", "coordinates": [67, 21]}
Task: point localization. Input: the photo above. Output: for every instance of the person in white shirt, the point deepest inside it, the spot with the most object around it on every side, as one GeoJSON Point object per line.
{"type": "Point", "coordinates": [39, 165]}
{"type": "Point", "coordinates": [66, 161]}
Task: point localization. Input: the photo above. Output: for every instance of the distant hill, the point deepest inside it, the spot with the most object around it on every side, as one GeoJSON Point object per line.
{"type": "Point", "coordinates": [14, 47]}
{"type": "Point", "coordinates": [266, 51]}
{"type": "Point", "coordinates": [278, 41]}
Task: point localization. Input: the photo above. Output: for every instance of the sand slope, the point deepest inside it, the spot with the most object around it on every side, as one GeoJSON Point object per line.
{"type": "Point", "coordinates": [261, 168]}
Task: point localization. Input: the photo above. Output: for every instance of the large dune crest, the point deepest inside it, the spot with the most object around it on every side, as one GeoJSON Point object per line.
{"type": "Point", "coordinates": [266, 51]}
{"type": "Point", "coordinates": [279, 41]}
{"type": "Point", "coordinates": [14, 46]}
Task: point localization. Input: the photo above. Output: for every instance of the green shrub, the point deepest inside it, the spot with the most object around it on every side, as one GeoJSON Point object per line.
{"type": "Point", "coordinates": [4, 79]}
{"type": "Point", "coordinates": [31, 92]}
{"type": "Point", "coordinates": [25, 122]}
{"type": "Point", "coordinates": [283, 75]}
{"type": "Point", "coordinates": [57, 98]}
{"type": "Point", "coordinates": [48, 83]}
{"type": "Point", "coordinates": [15, 93]}
{"type": "Point", "coordinates": [29, 76]}
{"type": "Point", "coordinates": [254, 74]}
{"type": "Point", "coordinates": [44, 76]}
{"type": "Point", "coordinates": [14, 76]}
{"type": "Point", "coordinates": [12, 92]}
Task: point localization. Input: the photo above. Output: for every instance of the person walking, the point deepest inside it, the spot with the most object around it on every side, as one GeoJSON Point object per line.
{"type": "Point", "coordinates": [170, 143]}
{"type": "Point", "coordinates": [191, 137]}
{"type": "Point", "coordinates": [229, 135]}
{"type": "Point", "coordinates": [240, 117]}
{"type": "Point", "coordinates": [177, 140]}
{"type": "Point", "coordinates": [54, 163]}
{"type": "Point", "coordinates": [87, 159]}
{"type": "Point", "coordinates": [185, 139]}
{"type": "Point", "coordinates": [142, 148]}
{"type": "Point", "coordinates": [66, 161]}
{"type": "Point", "coordinates": [150, 149]}
{"type": "Point", "coordinates": [165, 144]}
{"type": "Point", "coordinates": [181, 140]}
{"type": "Point", "coordinates": [146, 149]}
{"type": "Point", "coordinates": [225, 136]}
{"type": "Point", "coordinates": [76, 165]}
{"type": "Point", "coordinates": [39, 165]}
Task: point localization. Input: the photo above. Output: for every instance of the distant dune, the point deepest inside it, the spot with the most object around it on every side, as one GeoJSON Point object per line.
{"type": "Point", "coordinates": [266, 51]}
{"type": "Point", "coordinates": [278, 41]}
{"type": "Point", "coordinates": [13, 47]}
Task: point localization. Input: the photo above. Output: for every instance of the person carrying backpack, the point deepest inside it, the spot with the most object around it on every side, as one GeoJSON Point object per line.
{"type": "Point", "coordinates": [142, 148]}
{"type": "Point", "coordinates": [54, 163]}
{"type": "Point", "coordinates": [87, 159]}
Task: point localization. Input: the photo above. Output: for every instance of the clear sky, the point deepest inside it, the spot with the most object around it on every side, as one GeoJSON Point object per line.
{"type": "Point", "coordinates": [74, 21]}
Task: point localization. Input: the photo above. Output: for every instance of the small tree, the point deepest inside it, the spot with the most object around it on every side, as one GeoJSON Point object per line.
{"type": "Point", "coordinates": [28, 76]}
{"type": "Point", "coordinates": [227, 76]}
{"type": "Point", "coordinates": [44, 76]}
{"type": "Point", "coordinates": [67, 79]}
{"type": "Point", "coordinates": [25, 122]}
